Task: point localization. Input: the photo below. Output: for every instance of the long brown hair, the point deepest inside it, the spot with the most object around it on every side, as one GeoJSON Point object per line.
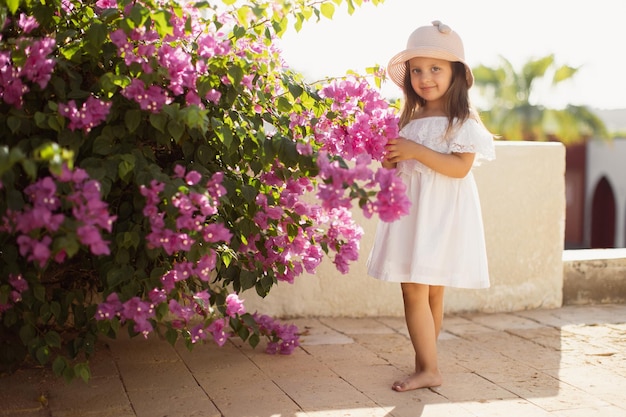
{"type": "Point", "coordinates": [457, 104]}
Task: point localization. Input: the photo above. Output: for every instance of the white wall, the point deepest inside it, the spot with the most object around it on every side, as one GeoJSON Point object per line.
{"type": "Point", "coordinates": [523, 200]}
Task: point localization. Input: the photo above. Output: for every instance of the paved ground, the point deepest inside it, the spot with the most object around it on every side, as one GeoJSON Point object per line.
{"type": "Point", "coordinates": [568, 362]}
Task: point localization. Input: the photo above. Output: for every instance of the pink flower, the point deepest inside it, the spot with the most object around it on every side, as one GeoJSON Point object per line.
{"type": "Point", "coordinates": [106, 4]}
{"type": "Point", "coordinates": [185, 313]}
{"type": "Point", "coordinates": [27, 23]}
{"type": "Point", "coordinates": [198, 333]}
{"type": "Point", "coordinates": [18, 282]}
{"type": "Point", "coordinates": [216, 232]}
{"type": "Point", "coordinates": [217, 329]}
{"type": "Point", "coordinates": [110, 308]}
{"type": "Point", "coordinates": [205, 266]}
{"type": "Point", "coordinates": [213, 96]}
{"type": "Point", "coordinates": [234, 305]}
{"type": "Point", "coordinates": [38, 67]}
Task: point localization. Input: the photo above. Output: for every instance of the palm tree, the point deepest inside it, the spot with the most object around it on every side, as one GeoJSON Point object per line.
{"type": "Point", "coordinates": [513, 117]}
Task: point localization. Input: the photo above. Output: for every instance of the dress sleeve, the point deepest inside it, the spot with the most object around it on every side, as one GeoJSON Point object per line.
{"type": "Point", "coordinates": [473, 137]}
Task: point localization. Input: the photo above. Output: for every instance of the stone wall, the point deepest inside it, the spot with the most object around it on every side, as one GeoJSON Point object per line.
{"type": "Point", "coordinates": [523, 200]}
{"type": "Point", "coordinates": [594, 276]}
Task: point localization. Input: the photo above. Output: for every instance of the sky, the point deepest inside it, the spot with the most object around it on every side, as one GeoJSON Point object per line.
{"type": "Point", "coordinates": [586, 34]}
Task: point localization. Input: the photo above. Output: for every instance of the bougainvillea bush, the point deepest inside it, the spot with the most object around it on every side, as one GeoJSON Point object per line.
{"type": "Point", "coordinates": [158, 159]}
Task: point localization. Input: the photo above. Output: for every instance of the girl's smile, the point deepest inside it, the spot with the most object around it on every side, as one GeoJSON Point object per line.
{"type": "Point", "coordinates": [430, 77]}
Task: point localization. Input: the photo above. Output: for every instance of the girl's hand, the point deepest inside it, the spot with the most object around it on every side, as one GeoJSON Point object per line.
{"type": "Point", "coordinates": [400, 149]}
{"type": "Point", "coordinates": [455, 165]}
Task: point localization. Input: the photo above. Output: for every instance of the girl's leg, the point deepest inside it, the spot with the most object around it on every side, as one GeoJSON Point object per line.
{"type": "Point", "coordinates": [435, 299]}
{"type": "Point", "coordinates": [423, 329]}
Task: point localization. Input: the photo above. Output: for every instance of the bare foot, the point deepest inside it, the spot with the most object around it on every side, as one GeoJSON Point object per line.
{"type": "Point", "coordinates": [418, 380]}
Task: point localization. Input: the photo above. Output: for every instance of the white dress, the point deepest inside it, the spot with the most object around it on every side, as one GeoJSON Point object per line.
{"type": "Point", "coordinates": [441, 241]}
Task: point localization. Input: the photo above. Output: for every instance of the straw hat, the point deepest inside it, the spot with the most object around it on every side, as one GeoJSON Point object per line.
{"type": "Point", "coordinates": [436, 41]}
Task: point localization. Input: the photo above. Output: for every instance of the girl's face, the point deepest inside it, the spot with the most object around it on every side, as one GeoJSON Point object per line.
{"type": "Point", "coordinates": [430, 78]}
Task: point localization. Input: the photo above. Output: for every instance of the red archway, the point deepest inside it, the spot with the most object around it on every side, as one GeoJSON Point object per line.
{"type": "Point", "coordinates": [603, 216]}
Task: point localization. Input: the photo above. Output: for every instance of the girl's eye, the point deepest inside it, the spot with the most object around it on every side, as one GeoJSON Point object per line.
{"type": "Point", "coordinates": [435, 69]}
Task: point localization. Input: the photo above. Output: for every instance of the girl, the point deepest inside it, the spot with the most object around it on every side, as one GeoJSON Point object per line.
{"type": "Point", "coordinates": [441, 242]}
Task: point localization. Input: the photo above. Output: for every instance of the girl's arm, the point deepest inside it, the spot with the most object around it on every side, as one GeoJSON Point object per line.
{"type": "Point", "coordinates": [455, 165]}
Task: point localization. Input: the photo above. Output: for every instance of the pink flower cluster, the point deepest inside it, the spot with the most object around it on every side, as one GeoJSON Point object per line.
{"type": "Point", "coordinates": [19, 285]}
{"type": "Point", "coordinates": [142, 313]}
{"type": "Point", "coordinates": [283, 338]}
{"type": "Point", "coordinates": [37, 223]}
{"type": "Point", "coordinates": [139, 311]}
{"type": "Point", "coordinates": [144, 47]}
{"type": "Point", "coordinates": [193, 219]}
{"type": "Point", "coordinates": [293, 231]}
{"type": "Point", "coordinates": [391, 200]}
{"type": "Point", "coordinates": [360, 121]}
{"type": "Point", "coordinates": [37, 67]}
{"type": "Point", "coordinates": [92, 113]}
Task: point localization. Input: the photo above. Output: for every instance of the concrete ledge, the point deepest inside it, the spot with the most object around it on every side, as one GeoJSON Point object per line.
{"type": "Point", "coordinates": [594, 276]}
{"type": "Point", "coordinates": [523, 203]}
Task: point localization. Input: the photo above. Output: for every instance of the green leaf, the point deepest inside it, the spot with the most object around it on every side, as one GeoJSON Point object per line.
{"type": "Point", "coordinates": [59, 365]}
{"type": "Point", "coordinates": [158, 121]}
{"type": "Point", "coordinates": [247, 279]}
{"type": "Point", "coordinates": [95, 36]}
{"type": "Point", "coordinates": [68, 243]}
{"type": "Point", "coordinates": [235, 74]}
{"type": "Point", "coordinates": [30, 167]}
{"type": "Point", "coordinates": [27, 333]}
{"type": "Point", "coordinates": [13, 5]}
{"type": "Point", "coordinates": [132, 119]}
{"type": "Point", "coordinates": [103, 145]}
{"type": "Point", "coordinates": [254, 340]}
{"type": "Point", "coordinates": [139, 15]}
{"type": "Point", "coordinates": [283, 104]}
{"type": "Point", "coordinates": [14, 123]}
{"type": "Point", "coordinates": [171, 336]}
{"type": "Point", "coordinates": [328, 10]}
{"type": "Point", "coordinates": [39, 292]}
{"type": "Point", "coordinates": [82, 370]}
{"type": "Point", "coordinates": [176, 129]}
{"type": "Point", "coordinates": [243, 333]}
{"type": "Point", "coordinates": [162, 20]}
{"type": "Point", "coordinates": [226, 135]}
{"type": "Point", "coordinates": [42, 354]}
{"type": "Point", "coordinates": [53, 339]}
{"type": "Point", "coordinates": [126, 166]}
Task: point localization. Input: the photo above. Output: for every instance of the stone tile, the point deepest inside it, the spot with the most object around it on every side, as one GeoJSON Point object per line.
{"type": "Point", "coordinates": [341, 354]}
{"type": "Point", "coordinates": [551, 394]}
{"type": "Point", "coordinates": [396, 323]}
{"type": "Point", "coordinates": [171, 402]}
{"type": "Point", "coordinates": [609, 411]}
{"type": "Point", "coordinates": [504, 321]}
{"type": "Point", "coordinates": [462, 326]}
{"type": "Point", "coordinates": [25, 392]}
{"type": "Point", "coordinates": [520, 349]}
{"type": "Point", "coordinates": [316, 332]}
{"type": "Point", "coordinates": [347, 412]}
{"type": "Point", "coordinates": [468, 356]}
{"type": "Point", "coordinates": [548, 337]}
{"type": "Point", "coordinates": [141, 350]}
{"type": "Point", "coordinates": [464, 387]}
{"type": "Point", "coordinates": [601, 383]}
{"type": "Point", "coordinates": [516, 407]}
{"type": "Point", "coordinates": [352, 326]}
{"type": "Point", "coordinates": [102, 396]}
{"type": "Point", "coordinates": [144, 376]}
